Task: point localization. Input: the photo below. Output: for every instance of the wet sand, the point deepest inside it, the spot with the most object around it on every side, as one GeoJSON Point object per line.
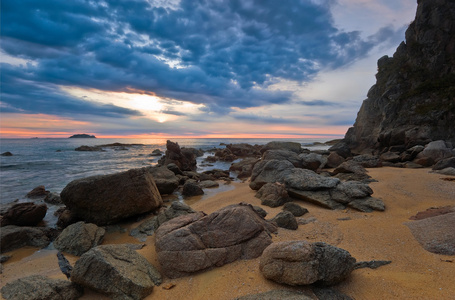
{"type": "Point", "coordinates": [413, 274]}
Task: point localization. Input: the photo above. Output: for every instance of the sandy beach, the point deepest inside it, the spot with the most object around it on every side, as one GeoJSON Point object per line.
{"type": "Point", "coordinates": [413, 274]}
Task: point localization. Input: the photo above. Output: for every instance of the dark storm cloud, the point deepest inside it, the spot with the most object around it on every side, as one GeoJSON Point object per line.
{"type": "Point", "coordinates": [222, 54]}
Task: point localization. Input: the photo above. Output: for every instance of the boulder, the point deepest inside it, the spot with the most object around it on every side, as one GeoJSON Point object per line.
{"type": "Point", "coordinates": [272, 194]}
{"type": "Point", "coordinates": [437, 150]}
{"type": "Point", "coordinates": [244, 168]}
{"type": "Point", "coordinates": [278, 294]}
{"type": "Point", "coordinates": [268, 171]}
{"type": "Point", "coordinates": [208, 184]}
{"type": "Point", "coordinates": [156, 152]}
{"type": "Point", "coordinates": [148, 227]}
{"type": "Point", "coordinates": [174, 168]}
{"type": "Point", "coordinates": [196, 242]}
{"type": "Point", "coordinates": [278, 145]}
{"type": "Point", "coordinates": [90, 148]}
{"type": "Point", "coordinates": [24, 214]}
{"type": "Point", "coordinates": [367, 161]}
{"type": "Point", "coordinates": [37, 287]}
{"type": "Point", "coordinates": [295, 209]}
{"type": "Point", "coordinates": [244, 150]}
{"type": "Point", "coordinates": [288, 155]}
{"type": "Point", "coordinates": [13, 237]}
{"type": "Point", "coordinates": [7, 153]}
{"type": "Point", "coordinates": [191, 188]}
{"type": "Point", "coordinates": [106, 199]}
{"type": "Point", "coordinates": [53, 198]}
{"type": "Point", "coordinates": [334, 160]}
{"type": "Point", "coordinates": [78, 238]}
{"type": "Point", "coordinates": [321, 198]}
{"type": "Point", "coordinates": [37, 192]}
{"type": "Point", "coordinates": [435, 234]}
{"type": "Point", "coordinates": [285, 219]}
{"type": "Point", "coordinates": [350, 166]}
{"type": "Point", "coordinates": [184, 158]}
{"type": "Point", "coordinates": [260, 211]}
{"type": "Point", "coordinates": [391, 157]}
{"type": "Point", "coordinates": [445, 163]}
{"type": "Point", "coordinates": [165, 179]}
{"type": "Point", "coordinates": [307, 180]}
{"type": "Point", "coordinates": [342, 149]}
{"type": "Point", "coordinates": [313, 161]}
{"type": "Point", "coordinates": [116, 271]}
{"type": "Point", "coordinates": [303, 263]}
{"type": "Point", "coordinates": [447, 171]}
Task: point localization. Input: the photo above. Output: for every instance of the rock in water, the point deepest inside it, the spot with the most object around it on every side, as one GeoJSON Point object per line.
{"type": "Point", "coordinates": [107, 199]}
{"type": "Point", "coordinates": [302, 263]}
{"type": "Point", "coordinates": [196, 242]}
{"type": "Point", "coordinates": [37, 287]}
{"type": "Point", "coordinates": [24, 214]}
{"type": "Point", "coordinates": [78, 238]}
{"type": "Point", "coordinates": [117, 271]}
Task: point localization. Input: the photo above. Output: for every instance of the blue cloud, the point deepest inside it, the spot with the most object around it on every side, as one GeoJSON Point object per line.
{"type": "Point", "coordinates": [222, 54]}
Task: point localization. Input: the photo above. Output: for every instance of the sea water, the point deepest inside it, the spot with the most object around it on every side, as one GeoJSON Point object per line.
{"type": "Point", "coordinates": [54, 162]}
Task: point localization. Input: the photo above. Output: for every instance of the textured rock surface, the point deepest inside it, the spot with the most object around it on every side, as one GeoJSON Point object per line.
{"type": "Point", "coordinates": [244, 168]}
{"type": "Point", "coordinates": [302, 263]}
{"type": "Point", "coordinates": [295, 209]}
{"type": "Point", "coordinates": [184, 158]}
{"type": "Point", "coordinates": [24, 214]}
{"type": "Point", "coordinates": [288, 155]}
{"type": "Point", "coordinates": [268, 171]}
{"type": "Point", "coordinates": [79, 237]}
{"type": "Point", "coordinates": [14, 237]}
{"type": "Point", "coordinates": [273, 194]}
{"type": "Point", "coordinates": [117, 271]}
{"type": "Point", "coordinates": [148, 227]}
{"type": "Point", "coordinates": [412, 101]}
{"type": "Point", "coordinates": [285, 219]}
{"type": "Point", "coordinates": [37, 287]}
{"type": "Point", "coordinates": [435, 234]}
{"type": "Point", "coordinates": [165, 179]}
{"type": "Point", "coordinates": [107, 199]}
{"type": "Point", "coordinates": [196, 242]}
{"type": "Point", "coordinates": [278, 145]}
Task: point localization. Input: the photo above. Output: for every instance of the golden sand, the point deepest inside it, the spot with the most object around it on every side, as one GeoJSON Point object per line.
{"type": "Point", "coordinates": [413, 274]}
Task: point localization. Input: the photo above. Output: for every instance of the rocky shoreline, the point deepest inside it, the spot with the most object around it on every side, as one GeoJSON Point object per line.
{"type": "Point", "coordinates": [280, 177]}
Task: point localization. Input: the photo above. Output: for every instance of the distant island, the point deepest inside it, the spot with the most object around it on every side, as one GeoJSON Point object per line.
{"type": "Point", "coordinates": [82, 136]}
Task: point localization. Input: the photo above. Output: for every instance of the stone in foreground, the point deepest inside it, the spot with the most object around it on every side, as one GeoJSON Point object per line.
{"type": "Point", "coordinates": [303, 263]}
{"type": "Point", "coordinates": [196, 242]}
{"type": "Point", "coordinates": [117, 271]}
{"type": "Point", "coordinates": [107, 199]}
{"type": "Point", "coordinates": [78, 238]}
{"type": "Point", "coordinates": [37, 287]}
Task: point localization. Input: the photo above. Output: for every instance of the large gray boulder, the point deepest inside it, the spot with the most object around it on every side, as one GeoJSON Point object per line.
{"type": "Point", "coordinates": [302, 263]}
{"type": "Point", "coordinates": [273, 194]}
{"type": "Point", "coordinates": [244, 168]}
{"type": "Point", "coordinates": [149, 226]}
{"type": "Point", "coordinates": [278, 145]}
{"type": "Point", "coordinates": [307, 180]}
{"type": "Point", "coordinates": [288, 155]}
{"type": "Point", "coordinates": [196, 242]}
{"type": "Point", "coordinates": [166, 181]}
{"type": "Point", "coordinates": [269, 171]}
{"type": "Point", "coordinates": [79, 237]}
{"type": "Point", "coordinates": [116, 271]}
{"type": "Point", "coordinates": [106, 199]}
{"type": "Point", "coordinates": [13, 237]}
{"type": "Point", "coordinates": [37, 287]}
{"type": "Point", "coordinates": [437, 150]}
{"type": "Point", "coordinates": [445, 163]}
{"type": "Point", "coordinates": [313, 161]}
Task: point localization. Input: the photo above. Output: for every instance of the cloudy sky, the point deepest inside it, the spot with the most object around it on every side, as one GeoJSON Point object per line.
{"type": "Point", "coordinates": [192, 68]}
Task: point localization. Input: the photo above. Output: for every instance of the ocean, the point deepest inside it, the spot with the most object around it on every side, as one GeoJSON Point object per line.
{"type": "Point", "coordinates": [54, 162]}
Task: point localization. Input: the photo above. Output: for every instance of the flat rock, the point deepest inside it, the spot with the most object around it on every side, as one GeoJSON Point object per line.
{"type": "Point", "coordinates": [307, 180]}
{"type": "Point", "coordinates": [79, 237]}
{"type": "Point", "coordinates": [288, 155]}
{"type": "Point", "coordinates": [269, 171]}
{"type": "Point", "coordinates": [24, 214]}
{"type": "Point", "coordinates": [196, 242]}
{"type": "Point", "coordinates": [107, 199]}
{"type": "Point", "coordinates": [278, 145]}
{"type": "Point", "coordinates": [116, 271]}
{"type": "Point", "coordinates": [435, 234]}
{"type": "Point", "coordinates": [37, 287]}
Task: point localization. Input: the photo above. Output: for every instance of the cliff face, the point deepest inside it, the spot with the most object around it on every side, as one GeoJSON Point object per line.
{"type": "Point", "coordinates": [413, 100]}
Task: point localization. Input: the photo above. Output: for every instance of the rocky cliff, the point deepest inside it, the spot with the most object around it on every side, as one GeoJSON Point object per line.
{"type": "Point", "coordinates": [413, 100]}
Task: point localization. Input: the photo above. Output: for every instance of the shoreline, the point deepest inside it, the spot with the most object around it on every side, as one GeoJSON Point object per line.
{"type": "Point", "coordinates": [413, 274]}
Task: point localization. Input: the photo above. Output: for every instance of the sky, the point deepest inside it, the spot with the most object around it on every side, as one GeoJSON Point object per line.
{"type": "Point", "coordinates": [192, 68]}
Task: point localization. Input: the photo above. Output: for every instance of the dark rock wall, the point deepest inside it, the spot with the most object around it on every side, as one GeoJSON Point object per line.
{"type": "Point", "coordinates": [413, 100]}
